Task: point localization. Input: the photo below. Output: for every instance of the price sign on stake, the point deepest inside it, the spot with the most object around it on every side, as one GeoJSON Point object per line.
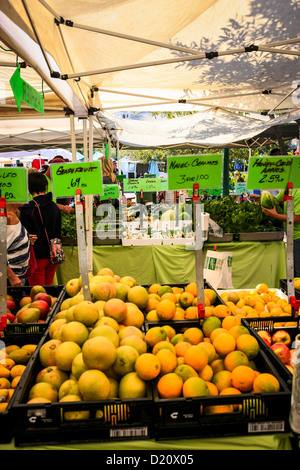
{"type": "Point", "coordinates": [269, 172]}
{"type": "Point", "coordinates": [186, 170]}
{"type": "Point", "coordinates": [68, 177]}
{"type": "Point", "coordinates": [13, 184]}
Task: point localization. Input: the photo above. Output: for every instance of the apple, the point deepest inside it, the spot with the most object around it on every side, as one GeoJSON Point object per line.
{"type": "Point", "coordinates": [53, 300]}
{"type": "Point", "coordinates": [11, 305]}
{"type": "Point", "coordinates": [10, 316]}
{"type": "Point", "coordinates": [42, 306]}
{"type": "Point", "coordinates": [43, 296]}
{"type": "Point", "coordinates": [282, 352]}
{"type": "Point", "coordinates": [73, 287]}
{"type": "Point", "coordinates": [25, 301]}
{"type": "Point", "coordinates": [36, 289]}
{"type": "Point", "coordinates": [265, 335]}
{"type": "Point", "coordinates": [281, 336]}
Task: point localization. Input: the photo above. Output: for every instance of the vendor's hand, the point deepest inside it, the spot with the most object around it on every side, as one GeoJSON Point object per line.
{"type": "Point", "coordinates": [270, 212]}
{"type": "Point", "coordinates": [67, 209]}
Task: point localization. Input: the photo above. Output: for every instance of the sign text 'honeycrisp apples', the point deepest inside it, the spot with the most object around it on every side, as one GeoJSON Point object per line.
{"type": "Point", "coordinates": [274, 172]}
{"type": "Point", "coordinates": [68, 177]}
{"type": "Point", "coordinates": [186, 170]}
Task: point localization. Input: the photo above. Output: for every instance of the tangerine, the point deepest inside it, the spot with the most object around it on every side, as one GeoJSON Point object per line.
{"type": "Point", "coordinates": [194, 334]}
{"type": "Point", "coordinates": [195, 387]}
{"type": "Point", "coordinates": [170, 385]}
{"type": "Point", "coordinates": [248, 344]}
{"type": "Point", "coordinates": [196, 357]}
{"type": "Point", "coordinates": [224, 344]}
{"type": "Point", "coordinates": [166, 309]}
{"type": "Point", "coordinates": [221, 311]}
{"type": "Point", "coordinates": [222, 379]}
{"type": "Point", "coordinates": [191, 313]}
{"type": "Point", "coordinates": [243, 378]}
{"type": "Point", "coordinates": [181, 348]}
{"type": "Point", "coordinates": [235, 358]}
{"type": "Point", "coordinates": [147, 366]}
{"type": "Point", "coordinates": [265, 382]}
{"type": "Point", "coordinates": [168, 361]}
{"type": "Point", "coordinates": [192, 288]}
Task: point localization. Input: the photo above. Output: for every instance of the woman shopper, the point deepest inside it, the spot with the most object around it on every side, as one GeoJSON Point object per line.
{"type": "Point", "coordinates": [17, 247]}
{"type": "Point", "coordinates": [39, 216]}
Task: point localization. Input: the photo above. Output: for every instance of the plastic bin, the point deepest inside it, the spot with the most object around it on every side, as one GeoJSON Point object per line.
{"type": "Point", "coordinates": [45, 423]}
{"type": "Point", "coordinates": [283, 287]}
{"type": "Point", "coordinates": [14, 329]}
{"type": "Point", "coordinates": [6, 418]}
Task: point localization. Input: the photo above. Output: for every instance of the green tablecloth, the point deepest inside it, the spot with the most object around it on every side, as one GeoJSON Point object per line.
{"type": "Point", "coordinates": [254, 442]}
{"type": "Point", "coordinates": [252, 263]}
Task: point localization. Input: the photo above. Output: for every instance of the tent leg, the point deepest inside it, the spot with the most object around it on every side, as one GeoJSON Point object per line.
{"type": "Point", "coordinates": [89, 202]}
{"type": "Point", "coordinates": [226, 172]}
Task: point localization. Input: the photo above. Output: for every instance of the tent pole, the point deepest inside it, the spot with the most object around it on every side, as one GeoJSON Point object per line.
{"type": "Point", "coordinates": [225, 172]}
{"type": "Point", "coordinates": [89, 205]}
{"type": "Point", "coordinates": [73, 143]}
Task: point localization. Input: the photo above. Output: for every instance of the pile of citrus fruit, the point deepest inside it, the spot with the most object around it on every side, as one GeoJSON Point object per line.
{"type": "Point", "coordinates": [176, 303]}
{"type": "Point", "coordinates": [258, 302]}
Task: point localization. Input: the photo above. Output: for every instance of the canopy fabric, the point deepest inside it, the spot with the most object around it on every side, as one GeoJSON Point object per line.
{"type": "Point", "coordinates": [165, 54]}
{"type": "Point", "coordinates": [209, 129]}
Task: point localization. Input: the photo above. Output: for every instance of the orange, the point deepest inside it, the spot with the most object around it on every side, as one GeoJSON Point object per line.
{"type": "Point", "coordinates": [169, 295]}
{"type": "Point", "coordinates": [185, 371]}
{"type": "Point", "coordinates": [217, 365]}
{"type": "Point", "coordinates": [170, 331]}
{"type": "Point", "coordinates": [168, 361]}
{"type": "Point", "coordinates": [163, 345]}
{"type": "Point", "coordinates": [249, 300]}
{"type": "Point", "coordinates": [211, 294]}
{"type": "Point", "coordinates": [152, 316]}
{"type": "Point", "coordinates": [194, 334]}
{"type": "Point", "coordinates": [222, 379]}
{"type": "Point", "coordinates": [154, 288]}
{"type": "Point", "coordinates": [181, 348]}
{"type": "Point", "coordinates": [186, 299]}
{"type": "Point", "coordinates": [259, 307]}
{"type": "Point", "coordinates": [179, 314]}
{"type": "Point", "coordinates": [224, 344]}
{"type": "Point", "coordinates": [212, 389]}
{"type": "Point", "coordinates": [154, 335]}
{"type": "Point", "coordinates": [206, 373]}
{"type": "Point", "coordinates": [216, 332]}
{"type": "Point", "coordinates": [243, 378]}
{"type": "Point", "coordinates": [262, 288]}
{"type": "Point", "coordinates": [210, 324]}
{"type": "Point", "coordinates": [191, 313]}
{"type": "Point", "coordinates": [230, 391]}
{"type": "Point", "coordinates": [276, 311]}
{"type": "Point", "coordinates": [147, 366]}
{"type": "Point", "coordinates": [238, 330]}
{"type": "Point", "coordinates": [265, 382]}
{"type": "Point", "coordinates": [192, 288]}
{"type": "Point", "coordinates": [209, 311]}
{"type": "Point", "coordinates": [134, 317]}
{"type": "Point", "coordinates": [241, 303]}
{"type": "Point", "coordinates": [166, 309]}
{"type": "Point", "coordinates": [230, 321]}
{"type": "Point", "coordinates": [221, 311]}
{"type": "Point", "coordinates": [170, 386]}
{"type": "Point", "coordinates": [270, 305]}
{"type": "Point", "coordinates": [235, 358]}
{"type": "Point", "coordinates": [176, 290]}
{"type": "Point", "coordinates": [233, 297]}
{"type": "Point", "coordinates": [195, 387]}
{"type": "Point", "coordinates": [196, 357]}
{"type": "Point", "coordinates": [209, 348]}
{"type": "Point", "coordinates": [248, 344]}
{"type": "Point", "coordinates": [152, 304]}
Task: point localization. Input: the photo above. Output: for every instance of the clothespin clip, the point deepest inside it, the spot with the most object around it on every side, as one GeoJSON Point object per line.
{"type": "Point", "coordinates": [78, 198]}
{"type": "Point", "coordinates": [195, 191]}
{"type": "Point", "coordinates": [295, 304]}
{"type": "Point", "coordinates": [288, 192]}
{"type": "Point", "coordinates": [201, 311]}
{"type": "Point", "coordinates": [2, 207]}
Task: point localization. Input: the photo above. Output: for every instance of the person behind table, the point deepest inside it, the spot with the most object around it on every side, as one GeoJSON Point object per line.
{"type": "Point", "coordinates": [31, 219]}
{"type": "Point", "coordinates": [108, 177]}
{"type": "Point", "coordinates": [283, 217]}
{"type": "Point", "coordinates": [18, 245]}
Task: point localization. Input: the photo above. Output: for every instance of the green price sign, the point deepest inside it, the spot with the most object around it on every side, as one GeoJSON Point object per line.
{"type": "Point", "coordinates": [151, 184]}
{"type": "Point", "coordinates": [26, 93]}
{"type": "Point", "coordinates": [13, 184]}
{"type": "Point", "coordinates": [110, 191]}
{"type": "Point", "coordinates": [186, 170]}
{"type": "Point", "coordinates": [132, 185]}
{"type": "Point", "coordinates": [269, 172]}
{"type": "Point", "coordinates": [240, 188]}
{"type": "Point", "coordinates": [295, 172]}
{"type": "Point", "coordinates": [68, 177]}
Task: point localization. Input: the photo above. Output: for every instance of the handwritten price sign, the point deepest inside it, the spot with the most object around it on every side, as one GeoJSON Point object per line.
{"type": "Point", "coordinates": [13, 184]}
{"type": "Point", "coordinates": [270, 172]}
{"type": "Point", "coordinates": [68, 177]}
{"type": "Point", "coordinates": [185, 170]}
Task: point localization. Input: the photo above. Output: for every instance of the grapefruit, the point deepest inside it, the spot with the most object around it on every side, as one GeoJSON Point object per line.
{"type": "Point", "coordinates": [98, 353]}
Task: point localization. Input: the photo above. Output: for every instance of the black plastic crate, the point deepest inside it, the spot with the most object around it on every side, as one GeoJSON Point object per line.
{"type": "Point", "coordinates": [252, 413]}
{"type": "Point", "coordinates": [269, 325]}
{"type": "Point", "coordinates": [283, 287]}
{"type": "Point", "coordinates": [36, 424]}
{"type": "Point", "coordinates": [6, 418]}
{"type": "Point", "coordinates": [16, 329]}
